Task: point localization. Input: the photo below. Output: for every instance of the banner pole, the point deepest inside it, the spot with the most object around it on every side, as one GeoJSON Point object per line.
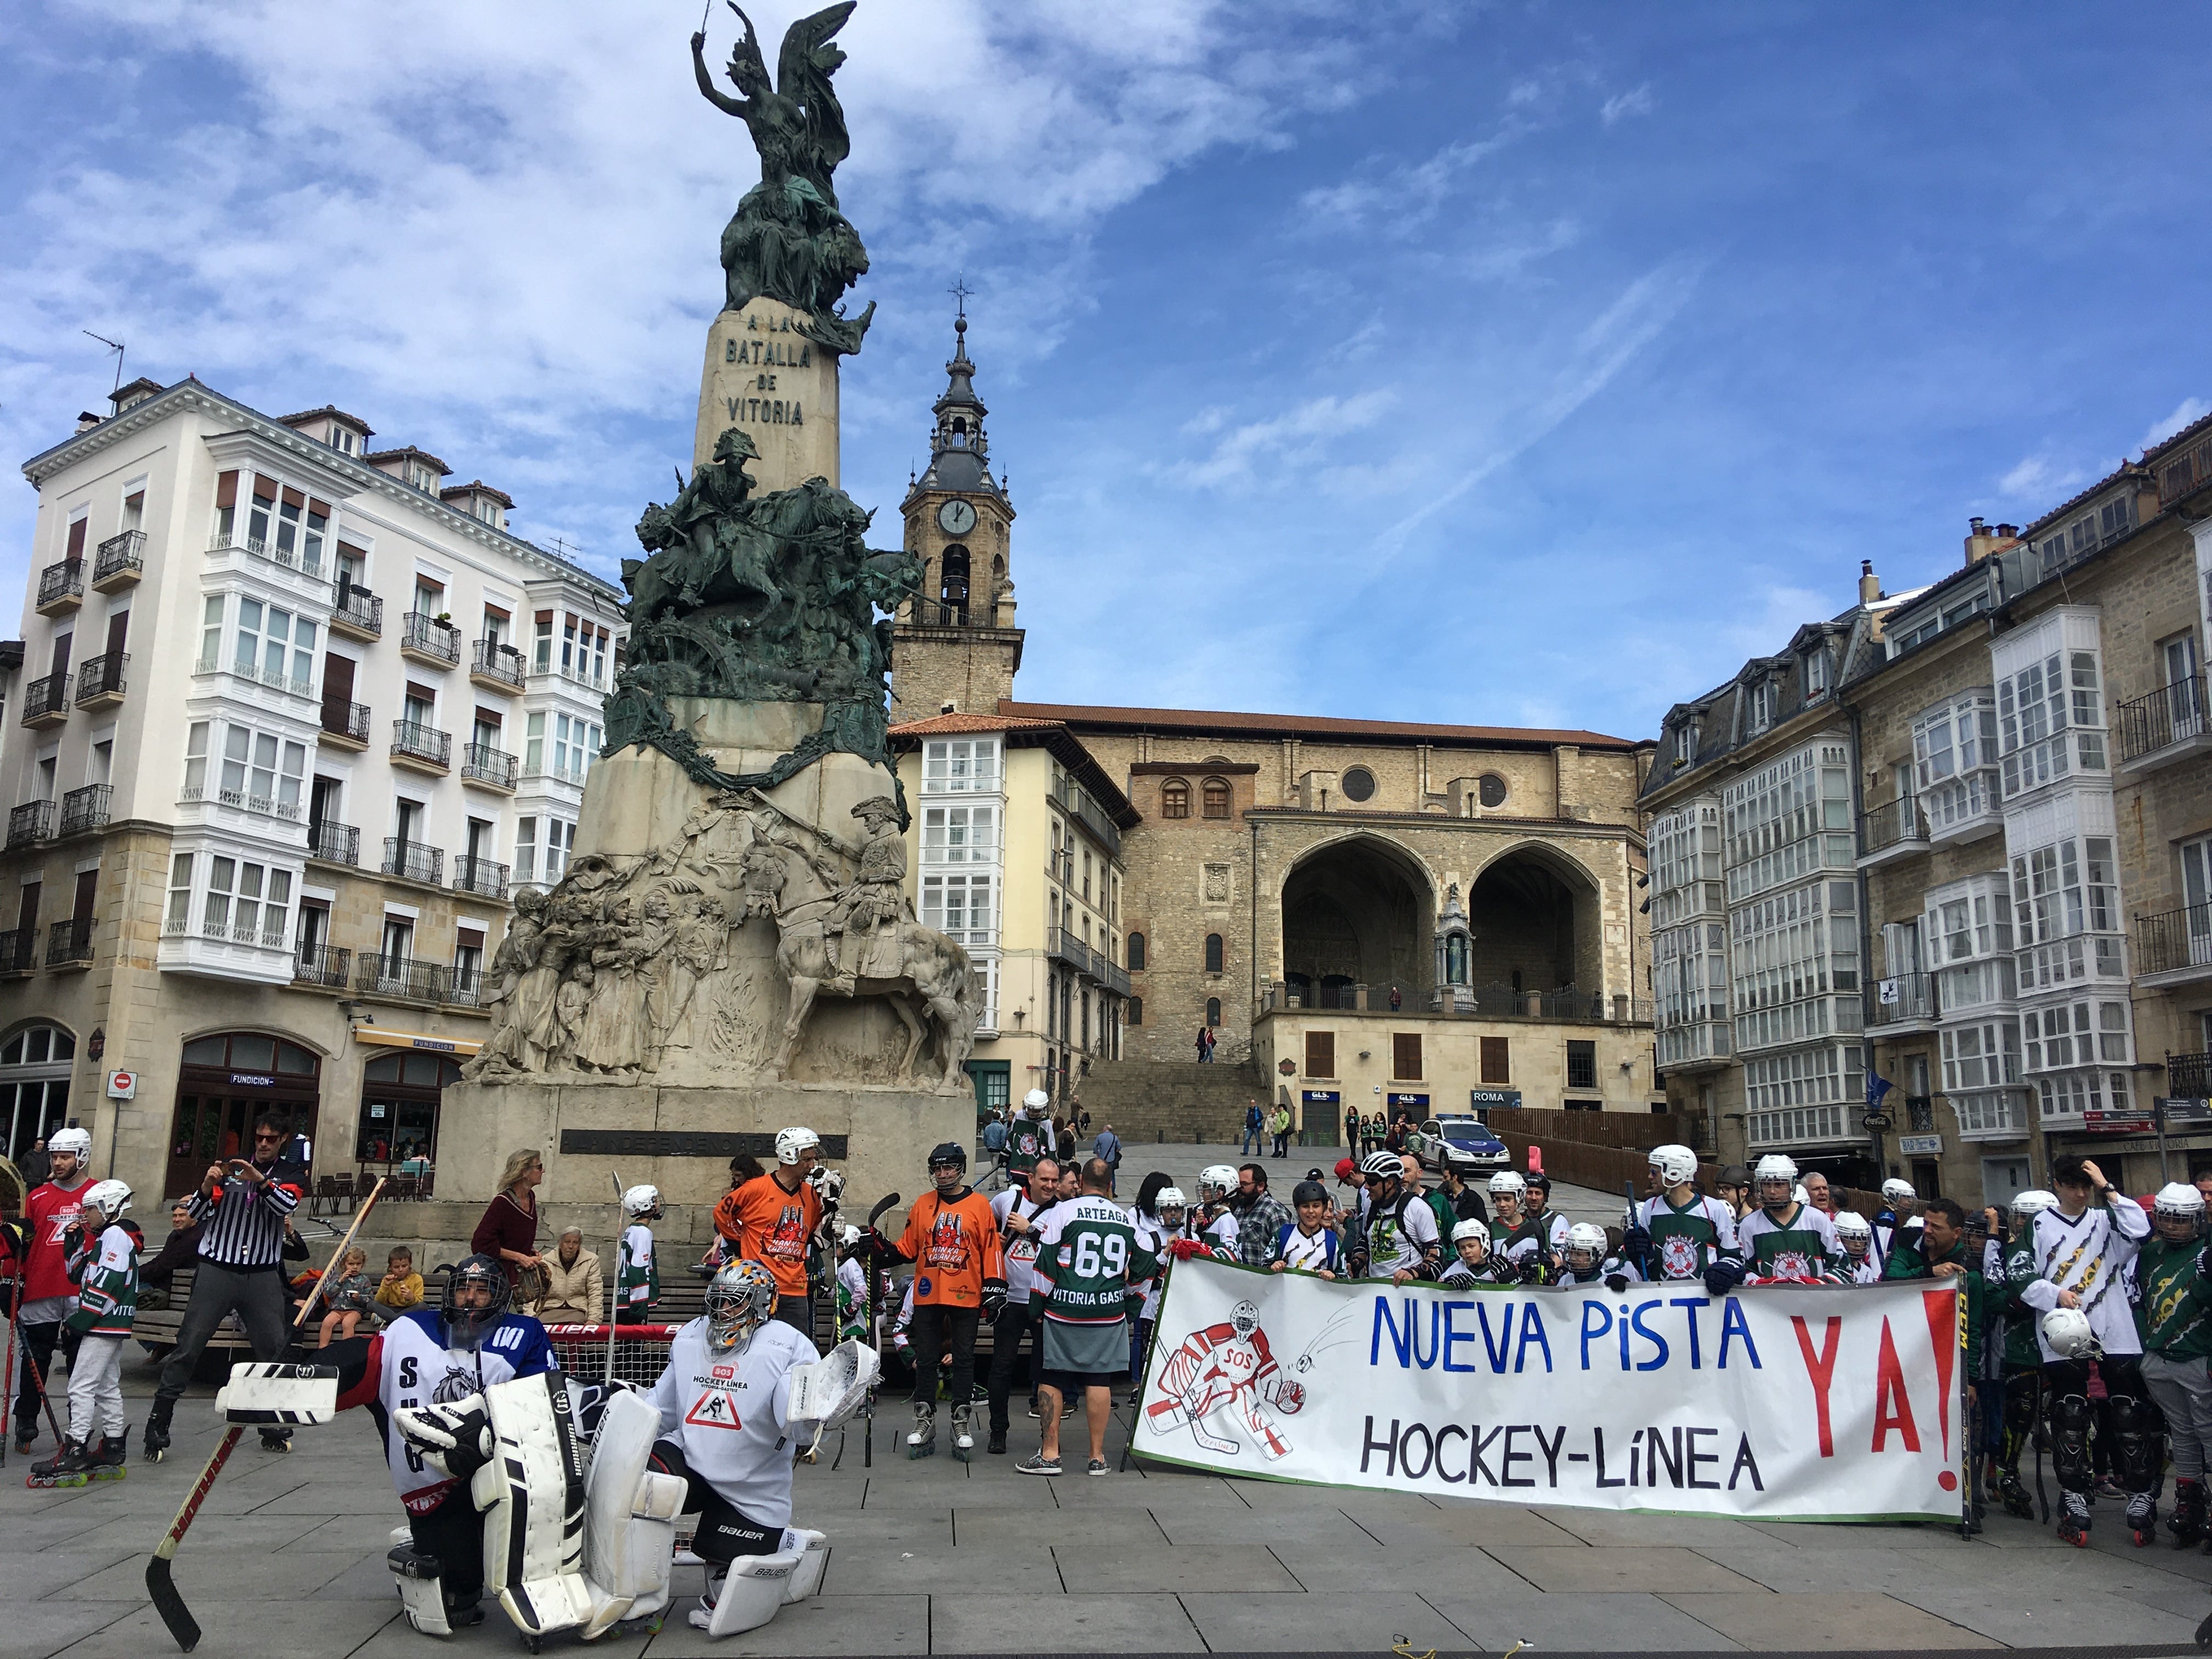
{"type": "Point", "coordinates": [1144, 1372]}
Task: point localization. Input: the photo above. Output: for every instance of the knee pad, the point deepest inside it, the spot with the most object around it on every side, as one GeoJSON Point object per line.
{"type": "Point", "coordinates": [814, 1559]}
{"type": "Point", "coordinates": [2139, 1430]}
{"type": "Point", "coordinates": [421, 1594]}
{"type": "Point", "coordinates": [2069, 1435]}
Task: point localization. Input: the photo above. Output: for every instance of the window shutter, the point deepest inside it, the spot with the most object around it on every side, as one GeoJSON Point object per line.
{"type": "Point", "coordinates": [76, 539]}
{"type": "Point", "coordinates": [294, 498]}
{"type": "Point", "coordinates": [321, 509]}
{"type": "Point", "coordinates": [226, 491]}
{"type": "Point", "coordinates": [1495, 1064]}
{"type": "Point", "coordinates": [1405, 1055]}
{"type": "Point", "coordinates": [1321, 1054]}
{"type": "Point", "coordinates": [265, 490]}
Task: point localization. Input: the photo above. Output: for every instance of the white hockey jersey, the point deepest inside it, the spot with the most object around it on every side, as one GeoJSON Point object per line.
{"type": "Point", "coordinates": [1020, 1249]}
{"type": "Point", "coordinates": [727, 1411]}
{"type": "Point", "coordinates": [2088, 1256]}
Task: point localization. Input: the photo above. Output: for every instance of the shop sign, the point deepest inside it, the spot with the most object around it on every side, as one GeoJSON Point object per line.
{"type": "Point", "coordinates": [251, 1080]}
{"type": "Point", "coordinates": [2110, 1121]}
{"type": "Point", "coordinates": [1920, 1146]}
{"type": "Point", "coordinates": [1320, 1096]}
{"type": "Point", "coordinates": [1483, 1099]}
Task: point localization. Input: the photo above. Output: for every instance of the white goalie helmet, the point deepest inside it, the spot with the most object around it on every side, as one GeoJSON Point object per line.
{"type": "Point", "coordinates": [1798, 1195]}
{"type": "Point", "coordinates": [74, 1140]}
{"type": "Point", "coordinates": [1216, 1180]}
{"type": "Point", "coordinates": [2068, 1333]}
{"type": "Point", "coordinates": [848, 1236]}
{"type": "Point", "coordinates": [110, 1199]}
{"type": "Point", "coordinates": [1170, 1197]}
{"type": "Point", "coordinates": [2031, 1203]}
{"type": "Point", "coordinates": [1851, 1226]}
{"type": "Point", "coordinates": [1244, 1318]}
{"type": "Point", "coordinates": [640, 1203]}
{"type": "Point", "coordinates": [1037, 1104]}
{"type": "Point", "coordinates": [790, 1143]}
{"type": "Point", "coordinates": [1471, 1228]}
{"type": "Point", "coordinates": [1508, 1183]}
{"type": "Point", "coordinates": [1675, 1163]}
{"type": "Point", "coordinates": [1895, 1192]}
{"type": "Point", "coordinates": [2177, 1200]}
{"type": "Point", "coordinates": [1589, 1238]}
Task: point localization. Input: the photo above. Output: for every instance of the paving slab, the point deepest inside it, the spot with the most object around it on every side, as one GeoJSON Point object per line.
{"type": "Point", "coordinates": [1826, 1536]}
{"type": "Point", "coordinates": [943, 1491]}
{"type": "Point", "coordinates": [896, 1529]}
{"type": "Point", "coordinates": [2044, 1612]}
{"type": "Point", "coordinates": [223, 1576]}
{"type": "Point", "coordinates": [30, 1576]}
{"type": "Point", "coordinates": [1466, 1524]}
{"type": "Point", "coordinates": [1150, 1623]}
{"type": "Point", "coordinates": [1242, 1526]}
{"type": "Point", "coordinates": [1323, 1567]}
{"type": "Point", "coordinates": [1101, 1529]}
{"type": "Point", "coordinates": [1611, 1526]}
{"type": "Point", "coordinates": [844, 1625]}
{"type": "Point", "coordinates": [859, 1570]}
{"type": "Point", "coordinates": [1246, 1567]}
{"type": "Point", "coordinates": [1603, 1568]}
{"type": "Point", "coordinates": [258, 1630]}
{"type": "Point", "coordinates": [1825, 1623]}
{"type": "Point", "coordinates": [1800, 1572]}
{"type": "Point", "coordinates": [1576, 1622]}
{"type": "Point", "coordinates": [1076, 1490]}
{"type": "Point", "coordinates": [32, 1630]}
{"type": "Point", "coordinates": [1353, 1621]}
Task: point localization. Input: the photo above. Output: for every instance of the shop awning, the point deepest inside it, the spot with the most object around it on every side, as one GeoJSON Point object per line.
{"type": "Point", "coordinates": [380, 1038]}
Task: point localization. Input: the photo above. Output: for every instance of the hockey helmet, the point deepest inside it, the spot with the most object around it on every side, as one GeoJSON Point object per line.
{"type": "Point", "coordinates": [948, 1151]}
{"type": "Point", "coordinates": [848, 1235]}
{"type": "Point", "coordinates": [112, 1197]}
{"type": "Point", "coordinates": [1309, 1192]}
{"type": "Point", "coordinates": [76, 1141]}
{"type": "Point", "coordinates": [474, 1299]}
{"type": "Point", "coordinates": [2181, 1203]}
{"type": "Point", "coordinates": [1383, 1166]}
{"type": "Point", "coordinates": [2032, 1202]}
{"type": "Point", "coordinates": [1590, 1239]}
{"type": "Point", "coordinates": [1037, 1104]}
{"type": "Point", "coordinates": [791, 1143]}
{"type": "Point", "coordinates": [1854, 1229]}
{"type": "Point", "coordinates": [2067, 1333]}
{"type": "Point", "coordinates": [1800, 1194]}
{"type": "Point", "coordinates": [641, 1203]}
{"type": "Point", "coordinates": [1895, 1192]}
{"type": "Point", "coordinates": [740, 1299]}
{"type": "Point", "coordinates": [1216, 1180]}
{"type": "Point", "coordinates": [1774, 1167]}
{"type": "Point", "coordinates": [1675, 1163]}
{"type": "Point", "coordinates": [1507, 1183]}
{"type": "Point", "coordinates": [1244, 1318]}
{"type": "Point", "coordinates": [1170, 1198]}
{"type": "Point", "coordinates": [1472, 1227]}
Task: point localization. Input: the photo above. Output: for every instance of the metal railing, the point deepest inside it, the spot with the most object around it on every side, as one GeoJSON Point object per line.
{"type": "Point", "coordinates": [480, 876]}
{"type": "Point", "coordinates": [422, 743]}
{"type": "Point", "coordinates": [343, 718]}
{"type": "Point", "coordinates": [1899, 822]}
{"type": "Point", "coordinates": [118, 555]}
{"type": "Point", "coordinates": [465, 986]}
{"type": "Point", "coordinates": [2187, 472]}
{"type": "Point", "coordinates": [1075, 798]}
{"type": "Point", "coordinates": [44, 697]}
{"type": "Point", "coordinates": [101, 676]}
{"type": "Point", "coordinates": [34, 821]}
{"type": "Point", "coordinates": [1063, 945]}
{"type": "Point", "coordinates": [488, 765]}
{"type": "Point", "coordinates": [357, 607]}
{"type": "Point", "coordinates": [334, 843]}
{"type": "Point", "coordinates": [85, 808]}
{"type": "Point", "coordinates": [19, 950]}
{"type": "Point", "coordinates": [413, 860]}
{"type": "Point", "coordinates": [2176, 939]}
{"type": "Point", "coordinates": [326, 965]}
{"type": "Point", "coordinates": [61, 581]}
{"type": "Point", "coordinates": [433, 638]}
{"type": "Point", "coordinates": [402, 976]}
{"type": "Point", "coordinates": [69, 942]}
{"type": "Point", "coordinates": [1900, 998]}
{"type": "Point", "coordinates": [1110, 976]}
{"type": "Point", "coordinates": [2175, 712]}
{"type": "Point", "coordinates": [2189, 1076]}
{"type": "Point", "coordinates": [294, 559]}
{"type": "Point", "coordinates": [945, 616]}
{"type": "Point", "coordinates": [496, 660]}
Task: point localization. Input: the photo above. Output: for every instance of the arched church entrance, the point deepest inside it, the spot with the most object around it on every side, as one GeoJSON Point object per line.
{"type": "Point", "coordinates": [1356, 912]}
{"type": "Point", "coordinates": [1534, 914]}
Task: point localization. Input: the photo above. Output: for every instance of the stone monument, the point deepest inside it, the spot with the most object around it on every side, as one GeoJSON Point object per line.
{"type": "Point", "coordinates": [732, 948]}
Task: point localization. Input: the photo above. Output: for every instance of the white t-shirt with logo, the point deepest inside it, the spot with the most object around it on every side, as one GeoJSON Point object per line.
{"type": "Point", "coordinates": [727, 1413]}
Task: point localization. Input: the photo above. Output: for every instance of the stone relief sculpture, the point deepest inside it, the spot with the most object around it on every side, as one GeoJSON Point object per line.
{"type": "Point", "coordinates": [602, 976]}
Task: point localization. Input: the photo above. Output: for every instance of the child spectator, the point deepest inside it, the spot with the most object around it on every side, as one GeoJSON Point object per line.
{"type": "Point", "coordinates": [402, 1286]}
{"type": "Point", "coordinates": [1307, 1245]}
{"type": "Point", "coordinates": [349, 1292]}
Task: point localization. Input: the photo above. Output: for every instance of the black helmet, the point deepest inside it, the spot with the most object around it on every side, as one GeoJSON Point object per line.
{"type": "Point", "coordinates": [1309, 1192]}
{"type": "Point", "coordinates": [465, 1326]}
{"type": "Point", "coordinates": [949, 1151]}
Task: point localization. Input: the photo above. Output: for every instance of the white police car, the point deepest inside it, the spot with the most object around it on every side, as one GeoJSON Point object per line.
{"type": "Point", "coordinates": [1469, 1136]}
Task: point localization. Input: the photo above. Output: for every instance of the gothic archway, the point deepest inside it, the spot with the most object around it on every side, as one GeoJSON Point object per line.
{"type": "Point", "coordinates": [1358, 911]}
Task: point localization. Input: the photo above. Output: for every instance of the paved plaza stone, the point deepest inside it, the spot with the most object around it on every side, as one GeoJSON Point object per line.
{"type": "Point", "coordinates": [933, 1557]}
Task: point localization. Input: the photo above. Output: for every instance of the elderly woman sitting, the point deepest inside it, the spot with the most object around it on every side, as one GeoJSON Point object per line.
{"type": "Point", "coordinates": [574, 1292]}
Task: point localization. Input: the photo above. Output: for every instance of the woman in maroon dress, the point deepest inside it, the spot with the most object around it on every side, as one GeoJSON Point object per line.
{"type": "Point", "coordinates": [508, 1230]}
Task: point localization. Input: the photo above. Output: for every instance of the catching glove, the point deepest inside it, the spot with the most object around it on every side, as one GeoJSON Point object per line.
{"type": "Point", "coordinates": [1724, 1276]}
{"type": "Point", "coordinates": [1532, 1270]}
{"type": "Point", "coordinates": [994, 1299]}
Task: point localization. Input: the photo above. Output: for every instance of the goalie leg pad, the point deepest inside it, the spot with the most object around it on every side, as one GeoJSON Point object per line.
{"type": "Point", "coordinates": [813, 1549]}
{"type": "Point", "coordinates": [629, 1517]}
{"type": "Point", "coordinates": [422, 1592]}
{"type": "Point", "coordinates": [752, 1592]}
{"type": "Point", "coordinates": [532, 1494]}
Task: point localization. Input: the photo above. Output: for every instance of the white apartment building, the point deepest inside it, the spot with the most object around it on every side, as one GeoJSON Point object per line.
{"type": "Point", "coordinates": [296, 716]}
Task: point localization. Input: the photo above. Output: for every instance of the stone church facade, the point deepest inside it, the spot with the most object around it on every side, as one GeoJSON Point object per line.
{"type": "Point", "coordinates": [1385, 916]}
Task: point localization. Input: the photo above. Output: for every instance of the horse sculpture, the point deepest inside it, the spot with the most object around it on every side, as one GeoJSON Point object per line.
{"type": "Point", "coordinates": [934, 985]}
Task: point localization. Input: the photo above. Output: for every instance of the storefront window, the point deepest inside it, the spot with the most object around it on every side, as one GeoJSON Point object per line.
{"type": "Point", "coordinates": [34, 1083]}
{"type": "Point", "coordinates": [399, 1099]}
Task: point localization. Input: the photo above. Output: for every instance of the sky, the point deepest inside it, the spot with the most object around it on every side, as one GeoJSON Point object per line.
{"type": "Point", "coordinates": [1503, 364]}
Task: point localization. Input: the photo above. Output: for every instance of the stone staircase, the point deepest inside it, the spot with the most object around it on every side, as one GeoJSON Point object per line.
{"type": "Point", "coordinates": [1149, 1101]}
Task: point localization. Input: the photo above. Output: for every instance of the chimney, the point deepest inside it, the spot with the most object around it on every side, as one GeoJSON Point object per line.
{"type": "Point", "coordinates": [1869, 584]}
{"type": "Point", "coordinates": [1983, 539]}
{"type": "Point", "coordinates": [86, 420]}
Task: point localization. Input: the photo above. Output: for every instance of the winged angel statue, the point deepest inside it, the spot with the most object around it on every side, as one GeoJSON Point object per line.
{"type": "Point", "coordinates": [787, 240]}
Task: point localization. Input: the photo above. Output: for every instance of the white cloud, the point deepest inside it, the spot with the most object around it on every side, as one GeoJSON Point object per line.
{"type": "Point", "coordinates": [2189, 410]}
{"type": "Point", "coordinates": [2043, 481]}
{"type": "Point", "coordinates": [1294, 437]}
{"type": "Point", "coordinates": [1637, 100]}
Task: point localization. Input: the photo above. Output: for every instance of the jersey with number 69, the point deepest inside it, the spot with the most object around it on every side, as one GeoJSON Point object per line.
{"type": "Point", "coordinates": [1087, 1256]}
{"type": "Point", "coordinates": [408, 1364]}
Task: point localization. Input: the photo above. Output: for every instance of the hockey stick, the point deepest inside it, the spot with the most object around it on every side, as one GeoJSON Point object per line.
{"type": "Point", "coordinates": [38, 1377]}
{"type": "Point", "coordinates": [614, 1298]}
{"type": "Point", "coordinates": [876, 1336]}
{"type": "Point", "coordinates": [7, 1382]}
{"type": "Point", "coordinates": [161, 1583]}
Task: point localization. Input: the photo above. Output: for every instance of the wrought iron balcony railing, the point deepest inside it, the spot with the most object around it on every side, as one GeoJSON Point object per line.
{"type": "Point", "coordinates": [334, 843]}
{"type": "Point", "coordinates": [413, 860]}
{"type": "Point", "coordinates": [85, 808]}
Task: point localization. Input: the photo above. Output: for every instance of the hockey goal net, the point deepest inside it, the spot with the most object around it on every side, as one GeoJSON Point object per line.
{"type": "Point", "coordinates": [641, 1351]}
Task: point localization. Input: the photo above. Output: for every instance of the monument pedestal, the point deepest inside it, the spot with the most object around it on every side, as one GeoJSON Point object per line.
{"type": "Point", "coordinates": [779, 388]}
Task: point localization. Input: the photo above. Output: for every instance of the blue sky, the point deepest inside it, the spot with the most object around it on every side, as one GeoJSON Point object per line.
{"type": "Point", "coordinates": [1514, 363]}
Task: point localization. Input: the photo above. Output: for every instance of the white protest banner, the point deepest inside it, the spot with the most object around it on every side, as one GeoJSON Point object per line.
{"type": "Point", "coordinates": [1811, 1403]}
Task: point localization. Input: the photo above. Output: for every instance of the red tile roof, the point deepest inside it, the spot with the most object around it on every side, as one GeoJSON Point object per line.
{"type": "Point", "coordinates": [938, 726]}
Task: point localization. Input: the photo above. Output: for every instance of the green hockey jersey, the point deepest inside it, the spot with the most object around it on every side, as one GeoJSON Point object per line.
{"type": "Point", "coordinates": [1687, 1241]}
{"type": "Point", "coordinates": [2171, 1304]}
{"type": "Point", "coordinates": [2017, 1348]}
{"type": "Point", "coordinates": [1089, 1254]}
{"type": "Point", "coordinates": [106, 1269]}
{"type": "Point", "coordinates": [637, 1280]}
{"type": "Point", "coordinates": [1800, 1243]}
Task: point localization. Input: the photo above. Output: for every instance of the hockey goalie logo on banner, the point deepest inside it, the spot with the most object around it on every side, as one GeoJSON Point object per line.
{"type": "Point", "coordinates": [1783, 1402]}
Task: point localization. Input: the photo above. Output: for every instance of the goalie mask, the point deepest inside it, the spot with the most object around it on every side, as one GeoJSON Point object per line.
{"type": "Point", "coordinates": [1244, 1318]}
{"type": "Point", "coordinates": [1587, 1241]}
{"type": "Point", "coordinates": [475, 1300]}
{"type": "Point", "coordinates": [793, 1143]}
{"type": "Point", "coordinates": [740, 1299]}
{"type": "Point", "coordinates": [110, 1199]}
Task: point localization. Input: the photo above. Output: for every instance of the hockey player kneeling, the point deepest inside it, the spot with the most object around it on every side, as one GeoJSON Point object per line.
{"type": "Point", "coordinates": [726, 1431]}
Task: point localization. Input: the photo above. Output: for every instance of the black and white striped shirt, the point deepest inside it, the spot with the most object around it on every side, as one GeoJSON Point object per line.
{"type": "Point", "coordinates": [244, 1227]}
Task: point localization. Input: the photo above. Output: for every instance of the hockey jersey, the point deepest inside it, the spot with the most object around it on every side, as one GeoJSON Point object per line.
{"type": "Point", "coordinates": [2015, 1319]}
{"type": "Point", "coordinates": [1859, 1270]}
{"type": "Point", "coordinates": [2170, 1301]}
{"type": "Point", "coordinates": [1025, 1145]}
{"type": "Point", "coordinates": [1525, 1241]}
{"type": "Point", "coordinates": [47, 1213]}
{"type": "Point", "coordinates": [409, 1363]}
{"type": "Point", "coordinates": [1685, 1242]}
{"type": "Point", "coordinates": [728, 1413]}
{"type": "Point", "coordinates": [1218, 1232]}
{"type": "Point", "coordinates": [106, 1268]}
{"type": "Point", "coordinates": [1800, 1244]}
{"type": "Point", "coordinates": [637, 1280]}
{"type": "Point", "coordinates": [1308, 1253]}
{"type": "Point", "coordinates": [1019, 1250]}
{"type": "Point", "coordinates": [767, 1225]}
{"type": "Point", "coordinates": [1152, 1236]}
{"type": "Point", "coordinates": [954, 1246]}
{"type": "Point", "coordinates": [1492, 1270]}
{"type": "Point", "coordinates": [1089, 1252]}
{"type": "Point", "coordinates": [2087, 1254]}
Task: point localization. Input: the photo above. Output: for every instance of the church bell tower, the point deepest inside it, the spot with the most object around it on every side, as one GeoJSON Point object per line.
{"type": "Point", "coordinates": [955, 642]}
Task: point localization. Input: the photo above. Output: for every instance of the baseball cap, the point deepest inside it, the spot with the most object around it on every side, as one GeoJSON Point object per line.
{"type": "Point", "coordinates": [1345, 1169]}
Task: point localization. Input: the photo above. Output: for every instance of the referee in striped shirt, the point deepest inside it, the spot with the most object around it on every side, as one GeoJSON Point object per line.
{"type": "Point", "coordinates": [243, 1206]}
